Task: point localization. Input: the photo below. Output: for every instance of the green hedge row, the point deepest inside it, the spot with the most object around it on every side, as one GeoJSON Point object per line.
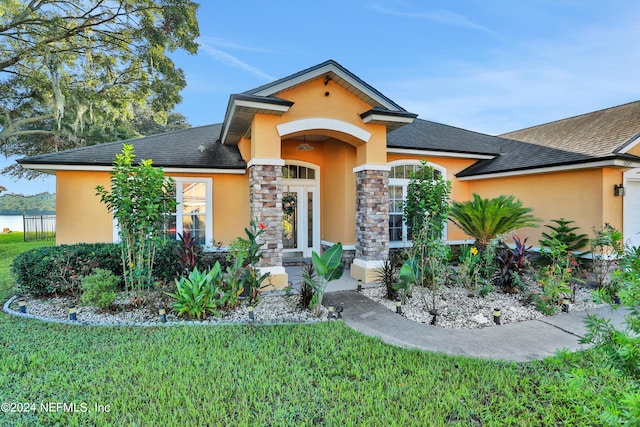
{"type": "Point", "coordinates": [58, 269]}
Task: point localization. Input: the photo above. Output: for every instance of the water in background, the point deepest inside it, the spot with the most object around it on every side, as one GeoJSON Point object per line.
{"type": "Point", "coordinates": [12, 222]}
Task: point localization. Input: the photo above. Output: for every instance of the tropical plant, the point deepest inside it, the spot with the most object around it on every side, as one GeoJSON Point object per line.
{"type": "Point", "coordinates": [407, 277]}
{"type": "Point", "coordinates": [328, 267]}
{"type": "Point", "coordinates": [387, 277]}
{"type": "Point", "coordinates": [606, 247]}
{"type": "Point", "coordinates": [306, 290]}
{"type": "Point", "coordinates": [141, 200]}
{"type": "Point", "coordinates": [232, 281]}
{"type": "Point", "coordinates": [199, 294]}
{"type": "Point", "coordinates": [622, 347]}
{"type": "Point", "coordinates": [427, 195]}
{"type": "Point", "coordinates": [188, 251]}
{"type": "Point", "coordinates": [566, 234]}
{"type": "Point", "coordinates": [469, 267]}
{"type": "Point", "coordinates": [555, 280]}
{"type": "Point", "coordinates": [99, 288]}
{"type": "Point", "coordinates": [484, 219]}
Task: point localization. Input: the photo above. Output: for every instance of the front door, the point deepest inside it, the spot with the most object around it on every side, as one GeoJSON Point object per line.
{"type": "Point", "coordinates": [300, 211]}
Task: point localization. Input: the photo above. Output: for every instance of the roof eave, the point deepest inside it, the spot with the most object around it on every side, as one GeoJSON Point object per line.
{"type": "Point", "coordinates": [241, 110]}
{"type": "Point", "coordinates": [611, 161]}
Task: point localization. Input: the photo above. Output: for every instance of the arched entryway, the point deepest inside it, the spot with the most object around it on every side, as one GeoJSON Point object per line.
{"type": "Point", "coordinates": [300, 209]}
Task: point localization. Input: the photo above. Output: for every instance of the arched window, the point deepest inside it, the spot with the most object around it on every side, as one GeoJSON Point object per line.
{"type": "Point", "coordinates": [399, 176]}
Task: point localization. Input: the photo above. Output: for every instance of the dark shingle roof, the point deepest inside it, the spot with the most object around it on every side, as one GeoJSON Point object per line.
{"type": "Point", "coordinates": [196, 148]}
{"type": "Point", "coordinates": [426, 135]}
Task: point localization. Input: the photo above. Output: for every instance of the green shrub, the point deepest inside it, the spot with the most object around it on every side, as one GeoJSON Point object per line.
{"type": "Point", "coordinates": [58, 269]}
{"type": "Point", "coordinates": [99, 288]}
{"type": "Point", "coordinates": [199, 294]}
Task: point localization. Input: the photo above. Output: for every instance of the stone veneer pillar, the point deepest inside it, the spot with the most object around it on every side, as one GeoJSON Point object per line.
{"type": "Point", "coordinates": [265, 199]}
{"type": "Point", "coordinates": [372, 221]}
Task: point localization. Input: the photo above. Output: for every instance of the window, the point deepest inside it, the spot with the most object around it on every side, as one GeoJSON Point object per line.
{"type": "Point", "coordinates": [399, 176]}
{"type": "Point", "coordinates": [194, 210]}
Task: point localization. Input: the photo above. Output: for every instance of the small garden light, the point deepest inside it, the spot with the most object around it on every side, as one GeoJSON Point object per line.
{"type": "Point", "coordinates": [399, 307]}
{"type": "Point", "coordinates": [359, 285]}
{"type": "Point", "coordinates": [22, 304]}
{"type": "Point", "coordinates": [496, 315]}
{"type": "Point", "coordinates": [433, 312]}
{"type": "Point", "coordinates": [72, 312]}
{"type": "Point", "coordinates": [565, 305]}
{"type": "Point", "coordinates": [250, 312]}
{"type": "Point", "coordinates": [163, 314]}
{"type": "Point", "coordinates": [339, 312]}
{"type": "Point", "coordinates": [330, 314]}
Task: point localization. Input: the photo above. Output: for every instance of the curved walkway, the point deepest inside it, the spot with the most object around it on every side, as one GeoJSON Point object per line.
{"type": "Point", "coordinates": [522, 341]}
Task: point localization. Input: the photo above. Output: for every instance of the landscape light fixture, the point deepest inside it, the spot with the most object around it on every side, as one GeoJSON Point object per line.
{"type": "Point", "coordinates": [72, 312]}
{"type": "Point", "coordinates": [399, 307]}
{"type": "Point", "coordinates": [23, 305]}
{"type": "Point", "coordinates": [496, 315]}
{"type": "Point", "coordinates": [565, 305]}
{"type": "Point", "coordinates": [163, 314]}
{"type": "Point", "coordinates": [359, 285]}
{"type": "Point", "coordinates": [330, 314]}
{"type": "Point", "coordinates": [619, 190]}
{"type": "Point", "coordinates": [250, 311]}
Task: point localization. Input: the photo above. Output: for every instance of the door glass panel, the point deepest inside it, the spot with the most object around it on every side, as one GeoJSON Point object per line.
{"type": "Point", "coordinates": [289, 220]}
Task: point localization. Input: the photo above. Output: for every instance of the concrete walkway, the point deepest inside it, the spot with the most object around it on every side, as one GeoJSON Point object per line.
{"type": "Point", "coordinates": [522, 341]}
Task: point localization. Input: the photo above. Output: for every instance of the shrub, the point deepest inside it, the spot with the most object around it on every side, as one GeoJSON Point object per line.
{"type": "Point", "coordinates": [306, 290]}
{"type": "Point", "coordinates": [606, 246]}
{"type": "Point", "coordinates": [565, 234]}
{"type": "Point", "coordinates": [58, 269]}
{"type": "Point", "coordinates": [99, 288]}
{"type": "Point", "coordinates": [199, 294]}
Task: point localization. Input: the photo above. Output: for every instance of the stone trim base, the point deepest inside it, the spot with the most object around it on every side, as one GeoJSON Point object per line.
{"type": "Point", "coordinates": [278, 278]}
{"type": "Point", "coordinates": [367, 271]}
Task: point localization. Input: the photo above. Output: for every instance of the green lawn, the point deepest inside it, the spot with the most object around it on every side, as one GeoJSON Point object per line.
{"type": "Point", "coordinates": [323, 374]}
{"type": "Point", "coordinates": [11, 244]}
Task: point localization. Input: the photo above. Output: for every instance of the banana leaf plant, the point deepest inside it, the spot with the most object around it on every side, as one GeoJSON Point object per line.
{"type": "Point", "coordinates": [328, 267]}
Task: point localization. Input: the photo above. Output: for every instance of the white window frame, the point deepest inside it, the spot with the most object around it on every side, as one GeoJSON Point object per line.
{"type": "Point", "coordinates": [208, 206]}
{"type": "Point", "coordinates": [404, 183]}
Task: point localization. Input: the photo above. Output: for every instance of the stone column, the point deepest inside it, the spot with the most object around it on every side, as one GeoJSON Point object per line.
{"type": "Point", "coordinates": [265, 199]}
{"type": "Point", "coordinates": [372, 221]}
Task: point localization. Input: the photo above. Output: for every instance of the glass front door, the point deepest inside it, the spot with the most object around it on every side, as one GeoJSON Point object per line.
{"type": "Point", "coordinates": [300, 212]}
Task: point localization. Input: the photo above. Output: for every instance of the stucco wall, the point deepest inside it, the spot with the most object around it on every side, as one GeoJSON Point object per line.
{"type": "Point", "coordinates": [80, 216]}
{"type": "Point", "coordinates": [584, 196]}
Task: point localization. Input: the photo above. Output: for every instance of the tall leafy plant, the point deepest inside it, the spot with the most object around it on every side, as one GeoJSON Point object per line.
{"type": "Point", "coordinates": [427, 196]}
{"type": "Point", "coordinates": [141, 200]}
{"type": "Point", "coordinates": [328, 267]}
{"type": "Point", "coordinates": [484, 219]}
{"type": "Point", "coordinates": [564, 233]}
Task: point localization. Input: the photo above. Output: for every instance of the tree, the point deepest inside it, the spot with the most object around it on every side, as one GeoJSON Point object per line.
{"type": "Point", "coordinates": [73, 72]}
{"type": "Point", "coordinates": [141, 200]}
{"type": "Point", "coordinates": [484, 219]}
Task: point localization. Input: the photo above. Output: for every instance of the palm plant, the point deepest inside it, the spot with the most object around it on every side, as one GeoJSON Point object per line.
{"type": "Point", "coordinates": [484, 219]}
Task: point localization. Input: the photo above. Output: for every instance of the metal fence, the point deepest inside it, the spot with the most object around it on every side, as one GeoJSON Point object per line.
{"type": "Point", "coordinates": [39, 227]}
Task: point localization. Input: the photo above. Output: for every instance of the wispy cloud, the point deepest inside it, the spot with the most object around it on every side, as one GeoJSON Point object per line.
{"type": "Point", "coordinates": [444, 17]}
{"type": "Point", "coordinates": [214, 41]}
{"type": "Point", "coordinates": [209, 47]}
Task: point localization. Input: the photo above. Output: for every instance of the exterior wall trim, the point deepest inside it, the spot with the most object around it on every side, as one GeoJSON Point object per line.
{"type": "Point", "coordinates": [89, 168]}
{"type": "Point", "coordinates": [265, 161]}
{"type": "Point", "coordinates": [288, 128]}
{"type": "Point", "coordinates": [369, 167]}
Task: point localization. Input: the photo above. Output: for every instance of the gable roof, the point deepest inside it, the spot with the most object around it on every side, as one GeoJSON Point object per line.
{"type": "Point", "coordinates": [263, 100]}
{"type": "Point", "coordinates": [600, 133]}
{"type": "Point", "coordinates": [193, 148]}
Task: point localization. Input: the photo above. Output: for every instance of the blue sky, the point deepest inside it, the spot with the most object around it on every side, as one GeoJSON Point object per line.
{"type": "Point", "coordinates": [488, 66]}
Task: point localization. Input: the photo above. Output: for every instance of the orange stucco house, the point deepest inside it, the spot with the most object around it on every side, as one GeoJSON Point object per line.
{"type": "Point", "coordinates": [322, 157]}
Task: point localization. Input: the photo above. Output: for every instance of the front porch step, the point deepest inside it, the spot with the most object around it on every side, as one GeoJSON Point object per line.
{"type": "Point", "coordinates": [293, 261]}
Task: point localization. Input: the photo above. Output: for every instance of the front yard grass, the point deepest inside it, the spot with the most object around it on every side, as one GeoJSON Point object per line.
{"type": "Point", "coordinates": [322, 374]}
